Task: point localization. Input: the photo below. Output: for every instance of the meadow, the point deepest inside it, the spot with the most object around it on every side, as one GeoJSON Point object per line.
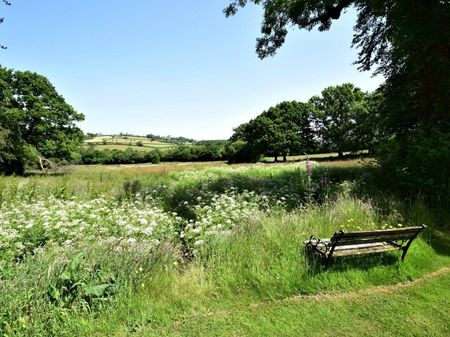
{"type": "Point", "coordinates": [211, 249]}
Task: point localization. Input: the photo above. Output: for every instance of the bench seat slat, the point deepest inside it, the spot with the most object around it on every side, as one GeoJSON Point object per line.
{"type": "Point", "coordinates": [395, 231]}
{"type": "Point", "coordinates": [363, 249]}
{"type": "Point", "coordinates": [362, 240]}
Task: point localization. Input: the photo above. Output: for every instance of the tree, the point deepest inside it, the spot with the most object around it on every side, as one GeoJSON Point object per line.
{"type": "Point", "coordinates": [408, 42]}
{"type": "Point", "coordinates": [281, 130]}
{"type": "Point", "coordinates": [12, 150]}
{"type": "Point", "coordinates": [379, 32]}
{"type": "Point", "coordinates": [240, 151]}
{"type": "Point", "coordinates": [368, 133]}
{"type": "Point", "coordinates": [337, 112]}
{"type": "Point", "coordinates": [35, 118]}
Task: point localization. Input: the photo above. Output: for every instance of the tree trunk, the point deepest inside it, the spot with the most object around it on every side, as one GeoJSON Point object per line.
{"type": "Point", "coordinates": [340, 153]}
{"type": "Point", "coordinates": [284, 157]}
{"type": "Point", "coordinates": [276, 158]}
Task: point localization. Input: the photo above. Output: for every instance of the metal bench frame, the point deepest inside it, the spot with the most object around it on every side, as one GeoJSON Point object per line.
{"type": "Point", "coordinates": [400, 239]}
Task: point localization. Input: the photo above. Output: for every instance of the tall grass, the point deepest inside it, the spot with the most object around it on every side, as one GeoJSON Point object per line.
{"type": "Point", "coordinates": [261, 259]}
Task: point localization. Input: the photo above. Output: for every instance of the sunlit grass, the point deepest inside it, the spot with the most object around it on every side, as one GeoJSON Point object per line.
{"type": "Point", "coordinates": [237, 248]}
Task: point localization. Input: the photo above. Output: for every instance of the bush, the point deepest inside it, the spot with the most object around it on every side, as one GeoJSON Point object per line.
{"type": "Point", "coordinates": [76, 283]}
{"type": "Point", "coordinates": [208, 152]}
{"type": "Point", "coordinates": [419, 164]}
{"type": "Point", "coordinates": [242, 152]}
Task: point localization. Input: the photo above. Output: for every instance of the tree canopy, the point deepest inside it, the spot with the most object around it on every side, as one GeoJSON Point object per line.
{"type": "Point", "coordinates": [281, 130]}
{"type": "Point", "coordinates": [338, 112]}
{"type": "Point", "coordinates": [34, 118]}
{"type": "Point", "coordinates": [406, 41]}
{"type": "Point", "coordinates": [342, 118]}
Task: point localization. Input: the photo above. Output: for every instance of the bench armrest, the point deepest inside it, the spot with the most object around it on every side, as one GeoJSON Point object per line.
{"type": "Point", "coordinates": [315, 241]}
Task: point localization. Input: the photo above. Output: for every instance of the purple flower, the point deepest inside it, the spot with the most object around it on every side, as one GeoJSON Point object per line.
{"type": "Point", "coordinates": [308, 167]}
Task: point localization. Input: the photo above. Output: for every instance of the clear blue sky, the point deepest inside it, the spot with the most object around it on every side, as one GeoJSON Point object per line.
{"type": "Point", "coordinates": [175, 68]}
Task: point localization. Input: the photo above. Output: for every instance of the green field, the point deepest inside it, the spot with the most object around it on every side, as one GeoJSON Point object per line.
{"type": "Point", "coordinates": [126, 142]}
{"type": "Point", "coordinates": [207, 249]}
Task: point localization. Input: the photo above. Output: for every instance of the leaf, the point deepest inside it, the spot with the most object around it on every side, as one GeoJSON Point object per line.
{"type": "Point", "coordinates": [54, 293]}
{"type": "Point", "coordinates": [70, 269]}
{"type": "Point", "coordinates": [96, 290]}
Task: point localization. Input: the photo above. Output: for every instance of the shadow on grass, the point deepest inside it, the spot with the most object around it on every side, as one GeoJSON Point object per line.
{"type": "Point", "coordinates": [317, 265]}
{"type": "Point", "coordinates": [438, 240]}
{"type": "Point", "coordinates": [348, 157]}
{"type": "Point", "coordinates": [320, 158]}
{"type": "Point", "coordinates": [44, 174]}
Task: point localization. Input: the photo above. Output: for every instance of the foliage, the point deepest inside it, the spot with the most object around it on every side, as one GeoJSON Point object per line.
{"type": "Point", "coordinates": [281, 130]}
{"type": "Point", "coordinates": [240, 151]}
{"type": "Point", "coordinates": [408, 43]}
{"type": "Point", "coordinates": [368, 131]}
{"type": "Point", "coordinates": [209, 151]}
{"type": "Point", "coordinates": [34, 116]}
{"type": "Point", "coordinates": [31, 226]}
{"type": "Point", "coordinates": [343, 118]}
{"type": "Point", "coordinates": [416, 111]}
{"type": "Point", "coordinates": [419, 164]}
{"type": "Point", "coordinates": [12, 150]}
{"type": "Point", "coordinates": [76, 283]}
{"type": "Point", "coordinates": [171, 139]}
{"type": "Point", "coordinates": [92, 156]}
{"type": "Point", "coordinates": [337, 113]}
{"type": "Point", "coordinates": [380, 31]}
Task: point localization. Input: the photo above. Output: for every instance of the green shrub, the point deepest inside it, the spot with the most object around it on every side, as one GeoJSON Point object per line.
{"type": "Point", "coordinates": [418, 164]}
{"type": "Point", "coordinates": [78, 283]}
{"type": "Point", "coordinates": [242, 152]}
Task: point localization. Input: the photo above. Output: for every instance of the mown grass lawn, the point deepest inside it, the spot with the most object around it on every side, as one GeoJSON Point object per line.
{"type": "Point", "coordinates": [418, 309]}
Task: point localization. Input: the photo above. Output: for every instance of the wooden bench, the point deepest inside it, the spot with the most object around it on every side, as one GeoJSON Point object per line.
{"type": "Point", "coordinates": [365, 242]}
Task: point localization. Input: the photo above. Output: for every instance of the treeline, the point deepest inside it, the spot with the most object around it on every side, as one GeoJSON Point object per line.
{"type": "Point", "coordinates": [170, 139]}
{"type": "Point", "coordinates": [342, 119]}
{"type": "Point", "coordinates": [208, 151]}
{"type": "Point", "coordinates": [151, 137]}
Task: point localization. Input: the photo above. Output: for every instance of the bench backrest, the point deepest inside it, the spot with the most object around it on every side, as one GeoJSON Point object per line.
{"type": "Point", "coordinates": [342, 238]}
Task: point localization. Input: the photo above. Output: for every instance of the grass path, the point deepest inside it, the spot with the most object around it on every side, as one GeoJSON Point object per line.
{"type": "Point", "coordinates": [389, 289]}
{"type": "Point", "coordinates": [414, 308]}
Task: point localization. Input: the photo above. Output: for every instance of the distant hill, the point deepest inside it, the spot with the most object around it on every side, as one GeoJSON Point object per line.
{"type": "Point", "coordinates": [122, 142]}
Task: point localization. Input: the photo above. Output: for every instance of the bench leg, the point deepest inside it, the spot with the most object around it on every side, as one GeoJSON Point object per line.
{"type": "Point", "coordinates": [329, 258]}
{"type": "Point", "coordinates": [405, 249]}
